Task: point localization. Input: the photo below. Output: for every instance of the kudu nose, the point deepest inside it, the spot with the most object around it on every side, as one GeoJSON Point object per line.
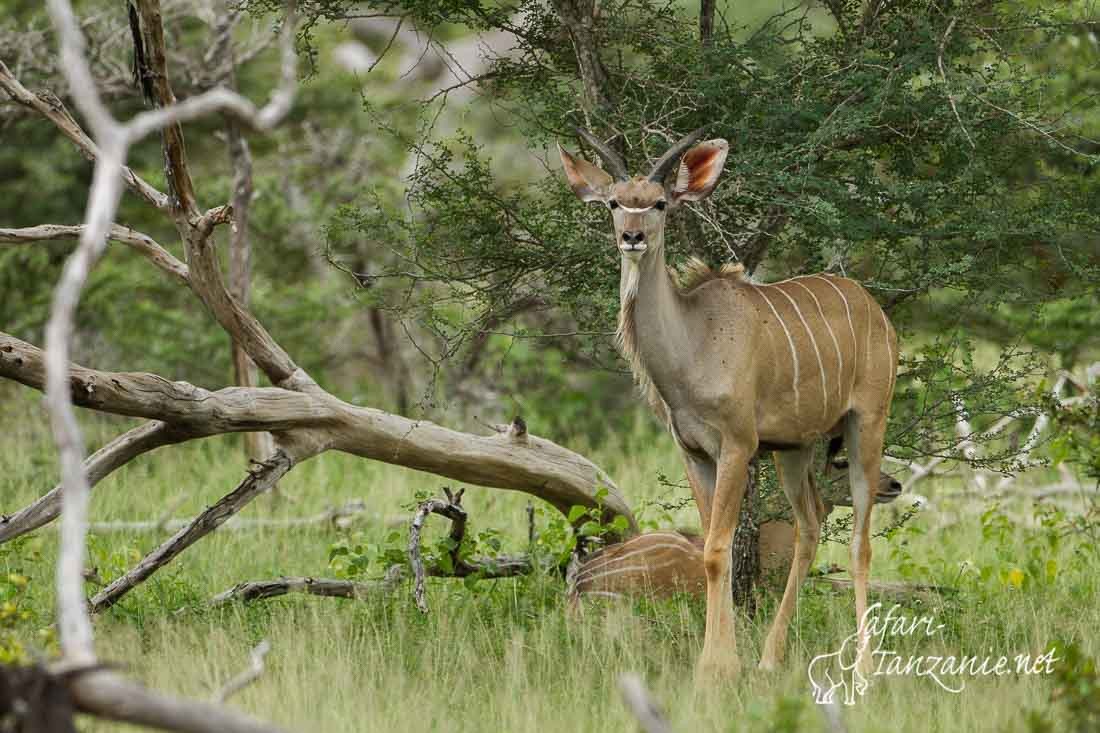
{"type": "Point", "coordinates": [633, 237]}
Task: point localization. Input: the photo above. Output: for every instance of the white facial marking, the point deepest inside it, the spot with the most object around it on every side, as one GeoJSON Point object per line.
{"type": "Point", "coordinates": [630, 210]}
{"type": "Point", "coordinates": [817, 352]}
{"type": "Point", "coordinates": [836, 344]}
{"type": "Point", "coordinates": [790, 342]}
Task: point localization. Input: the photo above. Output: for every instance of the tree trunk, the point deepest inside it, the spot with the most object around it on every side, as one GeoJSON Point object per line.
{"type": "Point", "coordinates": [746, 545]}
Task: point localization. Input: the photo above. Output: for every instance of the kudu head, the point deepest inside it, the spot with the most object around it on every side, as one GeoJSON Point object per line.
{"type": "Point", "coordinates": [639, 204]}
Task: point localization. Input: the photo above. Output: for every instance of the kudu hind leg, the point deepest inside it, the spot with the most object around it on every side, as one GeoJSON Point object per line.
{"type": "Point", "coordinates": [793, 468]}
{"type": "Point", "coordinates": [719, 658]}
{"type": "Point", "coordinates": [864, 437]}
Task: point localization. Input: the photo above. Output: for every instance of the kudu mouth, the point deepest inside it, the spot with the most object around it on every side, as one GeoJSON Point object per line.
{"type": "Point", "coordinates": [616, 166]}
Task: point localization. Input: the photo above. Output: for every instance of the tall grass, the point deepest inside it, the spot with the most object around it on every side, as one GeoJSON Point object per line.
{"type": "Point", "coordinates": [507, 655]}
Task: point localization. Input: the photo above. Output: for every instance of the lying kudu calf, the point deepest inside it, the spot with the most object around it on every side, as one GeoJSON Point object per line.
{"type": "Point", "coordinates": [667, 562]}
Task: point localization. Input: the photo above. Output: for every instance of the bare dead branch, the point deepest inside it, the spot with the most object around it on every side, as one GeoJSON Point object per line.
{"type": "Point", "coordinates": [107, 695]}
{"type": "Point", "coordinates": [893, 590]}
{"type": "Point", "coordinates": [258, 481]}
{"type": "Point", "coordinates": [50, 107]}
{"type": "Point", "coordinates": [458, 566]}
{"type": "Point", "coordinates": [450, 508]}
{"type": "Point", "coordinates": [256, 590]}
{"type": "Point", "coordinates": [247, 676]}
{"type": "Point", "coordinates": [233, 409]}
{"type": "Point", "coordinates": [99, 465]}
{"type": "Point", "coordinates": [140, 243]}
{"type": "Point", "coordinates": [640, 702]}
{"type": "Point", "coordinates": [947, 84]}
{"type": "Point", "coordinates": [170, 113]}
{"type": "Point", "coordinates": [513, 460]}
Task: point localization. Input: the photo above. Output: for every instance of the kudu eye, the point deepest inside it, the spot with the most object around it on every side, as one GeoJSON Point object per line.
{"type": "Point", "coordinates": [612, 204]}
{"type": "Point", "coordinates": [661, 205]}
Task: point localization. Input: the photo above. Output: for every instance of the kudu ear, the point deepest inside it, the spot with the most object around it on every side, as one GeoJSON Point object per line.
{"type": "Point", "coordinates": [588, 181]}
{"type": "Point", "coordinates": [699, 171]}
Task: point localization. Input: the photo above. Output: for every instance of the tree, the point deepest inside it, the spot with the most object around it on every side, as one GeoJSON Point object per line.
{"type": "Point", "coordinates": [938, 153]}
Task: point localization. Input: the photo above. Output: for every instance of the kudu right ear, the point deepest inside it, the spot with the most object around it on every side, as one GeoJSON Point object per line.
{"type": "Point", "coordinates": [699, 169]}
{"type": "Point", "coordinates": [588, 181]}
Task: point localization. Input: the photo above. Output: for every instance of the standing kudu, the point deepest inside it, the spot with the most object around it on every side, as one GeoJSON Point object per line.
{"type": "Point", "coordinates": [734, 367]}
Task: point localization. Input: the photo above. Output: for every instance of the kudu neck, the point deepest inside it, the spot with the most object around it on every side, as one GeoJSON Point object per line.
{"type": "Point", "coordinates": [651, 320]}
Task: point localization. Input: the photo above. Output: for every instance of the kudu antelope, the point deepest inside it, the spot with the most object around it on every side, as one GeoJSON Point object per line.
{"type": "Point", "coordinates": [733, 367]}
{"type": "Point", "coordinates": [666, 562]}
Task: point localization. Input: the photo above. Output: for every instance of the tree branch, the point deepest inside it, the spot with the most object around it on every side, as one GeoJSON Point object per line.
{"type": "Point", "coordinates": [511, 460]}
{"type": "Point", "coordinates": [143, 244]}
{"type": "Point", "coordinates": [98, 466]}
{"type": "Point", "coordinates": [256, 590]}
{"type": "Point", "coordinates": [50, 107]}
{"type": "Point", "coordinates": [257, 482]}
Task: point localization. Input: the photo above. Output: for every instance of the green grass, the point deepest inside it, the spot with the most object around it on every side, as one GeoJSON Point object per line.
{"type": "Point", "coordinates": [507, 655]}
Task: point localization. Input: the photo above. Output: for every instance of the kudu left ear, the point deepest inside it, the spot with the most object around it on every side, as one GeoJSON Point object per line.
{"type": "Point", "coordinates": [589, 182]}
{"type": "Point", "coordinates": [699, 170]}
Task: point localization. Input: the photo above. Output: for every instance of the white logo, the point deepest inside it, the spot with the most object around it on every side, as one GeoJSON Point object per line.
{"type": "Point", "coordinates": [850, 668]}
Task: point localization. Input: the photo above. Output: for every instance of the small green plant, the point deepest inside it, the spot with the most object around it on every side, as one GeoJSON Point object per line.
{"type": "Point", "coordinates": [19, 615]}
{"type": "Point", "coordinates": [1075, 699]}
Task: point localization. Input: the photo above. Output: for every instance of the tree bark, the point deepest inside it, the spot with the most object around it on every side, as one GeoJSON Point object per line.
{"type": "Point", "coordinates": [706, 22]}
{"type": "Point", "coordinates": [746, 545]}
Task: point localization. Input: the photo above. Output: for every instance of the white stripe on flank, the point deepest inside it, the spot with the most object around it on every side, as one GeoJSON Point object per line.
{"type": "Point", "coordinates": [889, 349]}
{"type": "Point", "coordinates": [606, 561]}
{"type": "Point", "coordinates": [851, 327]}
{"type": "Point", "coordinates": [817, 353]}
{"type": "Point", "coordinates": [790, 341]}
{"type": "Point", "coordinates": [604, 593]}
{"type": "Point", "coordinates": [629, 569]}
{"type": "Point", "coordinates": [867, 296]}
{"type": "Point", "coordinates": [836, 344]}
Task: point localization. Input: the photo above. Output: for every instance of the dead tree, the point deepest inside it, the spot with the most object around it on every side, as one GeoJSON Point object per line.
{"type": "Point", "coordinates": [303, 418]}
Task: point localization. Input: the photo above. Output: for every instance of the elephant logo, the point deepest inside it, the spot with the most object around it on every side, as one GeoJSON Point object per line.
{"type": "Point", "coordinates": [835, 670]}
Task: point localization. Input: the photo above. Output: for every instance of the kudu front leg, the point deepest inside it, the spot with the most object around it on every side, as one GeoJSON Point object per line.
{"type": "Point", "coordinates": [719, 658]}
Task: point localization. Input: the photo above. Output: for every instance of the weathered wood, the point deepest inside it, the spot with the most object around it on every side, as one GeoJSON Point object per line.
{"type": "Point", "coordinates": [451, 508]}
{"type": "Point", "coordinates": [248, 675]}
{"type": "Point", "coordinates": [641, 704]}
{"type": "Point", "coordinates": [510, 460]}
{"type": "Point", "coordinates": [257, 482]}
{"type": "Point", "coordinates": [108, 695]}
{"type": "Point", "coordinates": [99, 465]}
{"type": "Point", "coordinates": [255, 590]}
{"type": "Point", "coordinates": [745, 569]}
{"type": "Point", "coordinates": [135, 240]}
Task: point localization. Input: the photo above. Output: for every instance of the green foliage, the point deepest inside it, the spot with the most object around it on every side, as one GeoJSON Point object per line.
{"type": "Point", "coordinates": [921, 152]}
{"type": "Point", "coordinates": [23, 629]}
{"type": "Point", "coordinates": [1075, 699]}
{"type": "Point", "coordinates": [1078, 439]}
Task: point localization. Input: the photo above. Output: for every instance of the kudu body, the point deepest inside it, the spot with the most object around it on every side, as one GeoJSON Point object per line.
{"type": "Point", "coordinates": [734, 367]}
